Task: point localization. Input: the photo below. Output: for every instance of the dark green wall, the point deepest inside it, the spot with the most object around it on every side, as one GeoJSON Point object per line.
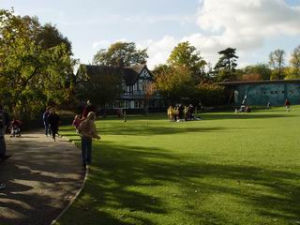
{"type": "Point", "coordinates": [260, 94]}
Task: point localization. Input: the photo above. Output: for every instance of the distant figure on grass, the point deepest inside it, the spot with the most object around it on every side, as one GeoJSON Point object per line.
{"type": "Point", "coordinates": [53, 120]}
{"type": "Point", "coordinates": [180, 113]}
{"type": "Point", "coordinates": [77, 120]}
{"type": "Point", "coordinates": [170, 113]}
{"type": "Point", "coordinates": [45, 121]}
{"type": "Point", "coordinates": [88, 108]}
{"type": "Point", "coordinates": [124, 115]}
{"type": "Point", "coordinates": [268, 105]}
{"type": "Point", "coordinates": [4, 123]}
{"type": "Point", "coordinates": [15, 128]}
{"type": "Point", "coordinates": [287, 105]}
{"type": "Point", "coordinates": [87, 131]}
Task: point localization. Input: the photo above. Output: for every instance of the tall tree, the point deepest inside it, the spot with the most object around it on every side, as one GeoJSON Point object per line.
{"type": "Point", "coordinates": [276, 61]}
{"type": "Point", "coordinates": [48, 36]}
{"type": "Point", "coordinates": [120, 54]}
{"type": "Point", "coordinates": [226, 65]}
{"type": "Point", "coordinates": [100, 86]}
{"type": "Point", "coordinates": [175, 83]}
{"type": "Point", "coordinates": [262, 70]}
{"type": "Point", "coordinates": [32, 75]}
{"type": "Point", "coordinates": [186, 55]}
{"type": "Point", "coordinates": [295, 61]}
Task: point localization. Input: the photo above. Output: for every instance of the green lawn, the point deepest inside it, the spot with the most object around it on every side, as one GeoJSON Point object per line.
{"type": "Point", "coordinates": [225, 169]}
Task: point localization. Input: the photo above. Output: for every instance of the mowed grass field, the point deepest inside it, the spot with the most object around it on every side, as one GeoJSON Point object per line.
{"type": "Point", "coordinates": [225, 169]}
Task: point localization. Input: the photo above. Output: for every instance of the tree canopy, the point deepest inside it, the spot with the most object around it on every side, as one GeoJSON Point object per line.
{"type": "Point", "coordinates": [225, 67]}
{"type": "Point", "coordinates": [34, 71]}
{"type": "Point", "coordinates": [295, 61]}
{"type": "Point", "coordinates": [121, 54]}
{"type": "Point", "coordinates": [276, 61]}
{"type": "Point", "coordinates": [185, 54]}
{"type": "Point", "coordinates": [101, 88]}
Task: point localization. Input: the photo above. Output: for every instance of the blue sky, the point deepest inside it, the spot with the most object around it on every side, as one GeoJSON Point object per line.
{"type": "Point", "coordinates": [254, 27]}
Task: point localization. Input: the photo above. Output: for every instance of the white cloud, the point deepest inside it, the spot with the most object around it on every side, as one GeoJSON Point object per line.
{"type": "Point", "coordinates": [244, 25]}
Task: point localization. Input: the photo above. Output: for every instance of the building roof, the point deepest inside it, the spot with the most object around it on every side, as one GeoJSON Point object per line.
{"type": "Point", "coordinates": [233, 83]}
{"type": "Point", "coordinates": [130, 74]}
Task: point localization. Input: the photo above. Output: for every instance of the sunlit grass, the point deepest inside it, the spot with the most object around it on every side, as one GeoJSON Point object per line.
{"type": "Point", "coordinates": [225, 169]}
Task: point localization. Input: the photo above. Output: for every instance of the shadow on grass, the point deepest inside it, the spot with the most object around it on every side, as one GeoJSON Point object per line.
{"type": "Point", "coordinates": [219, 116]}
{"type": "Point", "coordinates": [122, 178]}
{"type": "Point", "coordinates": [144, 130]}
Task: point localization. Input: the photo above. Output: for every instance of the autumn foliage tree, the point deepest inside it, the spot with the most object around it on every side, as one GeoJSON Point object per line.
{"type": "Point", "coordinates": [120, 54]}
{"type": "Point", "coordinates": [32, 73]}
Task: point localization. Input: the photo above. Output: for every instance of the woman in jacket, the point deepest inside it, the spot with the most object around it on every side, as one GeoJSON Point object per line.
{"type": "Point", "coordinates": [87, 131]}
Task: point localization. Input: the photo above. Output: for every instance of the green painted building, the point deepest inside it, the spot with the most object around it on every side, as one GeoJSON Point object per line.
{"type": "Point", "coordinates": [262, 92]}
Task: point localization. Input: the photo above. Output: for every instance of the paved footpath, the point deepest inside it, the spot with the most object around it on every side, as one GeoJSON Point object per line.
{"type": "Point", "coordinates": [41, 177]}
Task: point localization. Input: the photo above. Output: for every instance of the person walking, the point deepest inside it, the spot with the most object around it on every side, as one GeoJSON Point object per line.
{"type": "Point", "coordinates": [87, 131]}
{"type": "Point", "coordinates": [45, 121]}
{"type": "Point", "coordinates": [53, 120]}
{"type": "Point", "coordinates": [287, 105]}
{"type": "Point", "coordinates": [4, 122]}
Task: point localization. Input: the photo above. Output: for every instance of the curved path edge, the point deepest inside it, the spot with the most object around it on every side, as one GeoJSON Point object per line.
{"type": "Point", "coordinates": [76, 195]}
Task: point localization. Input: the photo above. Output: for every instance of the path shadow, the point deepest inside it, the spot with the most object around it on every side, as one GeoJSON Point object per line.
{"type": "Point", "coordinates": [39, 181]}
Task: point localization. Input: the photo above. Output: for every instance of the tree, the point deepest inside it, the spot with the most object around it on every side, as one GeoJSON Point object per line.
{"type": "Point", "coordinates": [184, 54]}
{"type": "Point", "coordinates": [175, 83]}
{"type": "Point", "coordinates": [120, 54]}
{"type": "Point", "coordinates": [32, 74]}
{"type": "Point", "coordinates": [48, 36]}
{"type": "Point", "coordinates": [226, 65]}
{"type": "Point", "coordinates": [262, 70]}
{"type": "Point", "coordinates": [100, 87]}
{"type": "Point", "coordinates": [276, 61]}
{"type": "Point", "coordinates": [295, 62]}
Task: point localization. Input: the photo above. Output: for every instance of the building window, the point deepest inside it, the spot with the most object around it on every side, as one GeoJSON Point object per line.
{"type": "Point", "coordinates": [272, 92]}
{"type": "Point", "coordinates": [276, 92]}
{"type": "Point", "coordinates": [283, 92]}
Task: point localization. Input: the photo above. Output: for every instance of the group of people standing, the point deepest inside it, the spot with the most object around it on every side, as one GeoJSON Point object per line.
{"type": "Point", "coordinates": [84, 125]}
{"type": "Point", "coordinates": [180, 113]}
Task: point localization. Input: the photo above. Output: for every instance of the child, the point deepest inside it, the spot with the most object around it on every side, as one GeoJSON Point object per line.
{"type": "Point", "coordinates": [77, 120]}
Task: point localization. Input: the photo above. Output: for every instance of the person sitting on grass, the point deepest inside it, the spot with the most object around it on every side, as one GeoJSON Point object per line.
{"type": "Point", "coordinates": [87, 131]}
{"type": "Point", "coordinates": [170, 113]}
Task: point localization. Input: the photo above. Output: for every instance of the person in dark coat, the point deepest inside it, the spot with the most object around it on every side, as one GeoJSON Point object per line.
{"type": "Point", "coordinates": [4, 123]}
{"type": "Point", "coordinates": [88, 108]}
{"type": "Point", "coordinates": [53, 120]}
{"type": "Point", "coordinates": [45, 121]}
